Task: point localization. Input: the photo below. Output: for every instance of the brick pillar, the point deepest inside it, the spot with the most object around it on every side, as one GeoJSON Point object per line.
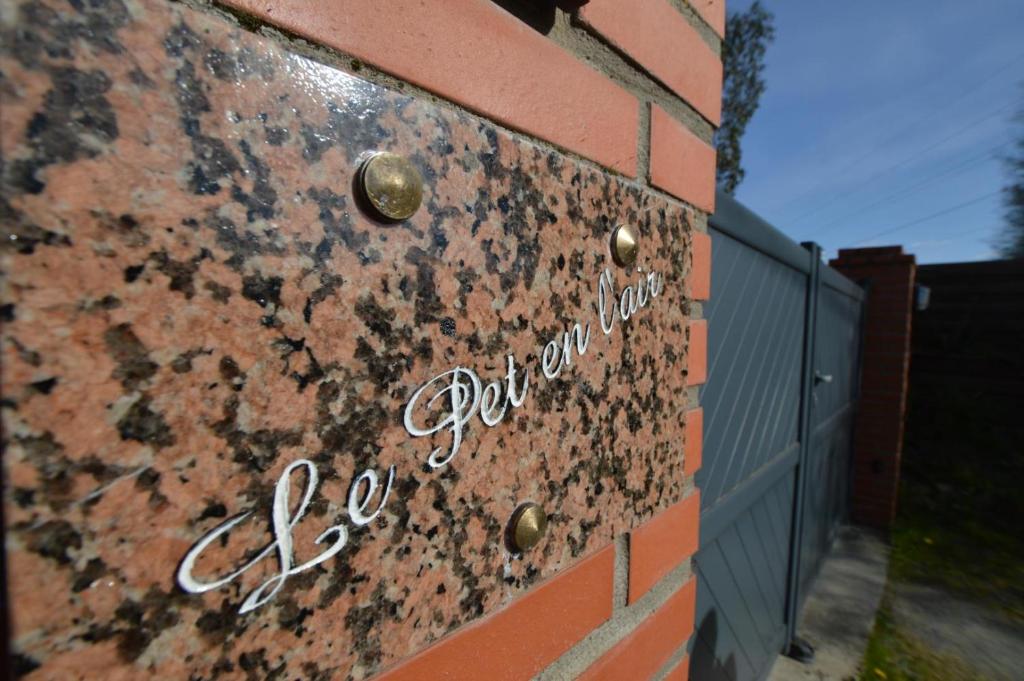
{"type": "Point", "coordinates": [888, 274]}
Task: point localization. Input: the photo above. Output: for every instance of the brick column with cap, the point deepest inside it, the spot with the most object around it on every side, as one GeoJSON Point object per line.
{"type": "Point", "coordinates": [888, 274]}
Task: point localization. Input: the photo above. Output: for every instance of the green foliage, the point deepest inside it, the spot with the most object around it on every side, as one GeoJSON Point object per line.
{"type": "Point", "coordinates": [941, 538]}
{"type": "Point", "coordinates": [747, 36]}
{"type": "Point", "coordinates": [1012, 244]}
{"type": "Point", "coordinates": [960, 506]}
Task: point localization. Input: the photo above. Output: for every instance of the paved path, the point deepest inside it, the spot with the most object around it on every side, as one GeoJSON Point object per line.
{"type": "Point", "coordinates": [840, 612]}
{"type": "Point", "coordinates": [981, 638]}
{"type": "Point", "coordinates": [838, 617]}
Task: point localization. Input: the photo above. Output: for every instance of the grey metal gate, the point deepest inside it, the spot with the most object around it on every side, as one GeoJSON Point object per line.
{"type": "Point", "coordinates": [783, 368]}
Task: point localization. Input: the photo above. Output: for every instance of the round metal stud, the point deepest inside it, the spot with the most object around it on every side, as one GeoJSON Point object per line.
{"type": "Point", "coordinates": [391, 185]}
{"type": "Point", "coordinates": [527, 526]}
{"type": "Point", "coordinates": [624, 246]}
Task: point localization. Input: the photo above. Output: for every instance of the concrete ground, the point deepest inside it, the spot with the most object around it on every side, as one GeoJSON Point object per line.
{"type": "Point", "coordinates": [986, 641]}
{"type": "Point", "coordinates": [839, 614]}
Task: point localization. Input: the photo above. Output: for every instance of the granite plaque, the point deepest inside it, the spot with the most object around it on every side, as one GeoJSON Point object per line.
{"type": "Point", "coordinates": [251, 430]}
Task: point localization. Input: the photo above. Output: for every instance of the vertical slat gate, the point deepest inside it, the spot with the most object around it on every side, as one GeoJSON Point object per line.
{"type": "Point", "coordinates": [753, 569]}
{"type": "Point", "coordinates": [835, 386]}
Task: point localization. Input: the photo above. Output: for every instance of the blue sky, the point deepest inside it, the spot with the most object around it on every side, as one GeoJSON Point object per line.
{"type": "Point", "coordinates": [879, 115]}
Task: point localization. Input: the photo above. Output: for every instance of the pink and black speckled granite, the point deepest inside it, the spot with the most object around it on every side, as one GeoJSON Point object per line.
{"type": "Point", "coordinates": [192, 300]}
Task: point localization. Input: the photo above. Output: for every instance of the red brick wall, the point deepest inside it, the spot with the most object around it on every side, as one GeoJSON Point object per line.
{"type": "Point", "coordinates": [878, 437]}
{"type": "Point", "coordinates": [635, 88]}
{"type": "Point", "coordinates": [632, 89]}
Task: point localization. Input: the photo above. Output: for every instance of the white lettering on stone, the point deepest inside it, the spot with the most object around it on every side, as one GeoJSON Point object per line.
{"type": "Point", "coordinates": [510, 389]}
{"type": "Point", "coordinates": [449, 401]}
{"type": "Point", "coordinates": [607, 318]}
{"type": "Point", "coordinates": [550, 361]}
{"type": "Point", "coordinates": [462, 387]}
{"type": "Point", "coordinates": [489, 402]}
{"type": "Point", "coordinates": [655, 283]}
{"type": "Point", "coordinates": [463, 400]}
{"type": "Point", "coordinates": [282, 525]}
{"type": "Point", "coordinates": [627, 303]}
{"type": "Point", "coordinates": [356, 507]}
{"type": "Point", "coordinates": [582, 341]}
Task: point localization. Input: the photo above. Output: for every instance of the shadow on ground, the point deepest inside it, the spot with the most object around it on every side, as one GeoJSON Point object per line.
{"type": "Point", "coordinates": [838, 615]}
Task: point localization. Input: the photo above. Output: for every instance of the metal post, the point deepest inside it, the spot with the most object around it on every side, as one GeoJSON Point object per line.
{"type": "Point", "coordinates": [795, 648]}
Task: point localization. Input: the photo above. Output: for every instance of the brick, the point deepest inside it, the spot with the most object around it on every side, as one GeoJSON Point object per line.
{"type": "Point", "coordinates": [882, 387]}
{"type": "Point", "coordinates": [877, 502]}
{"type": "Point", "coordinates": [870, 518]}
{"type": "Point", "coordinates": [694, 447]}
{"type": "Point", "coordinates": [878, 431]}
{"type": "Point", "coordinates": [881, 430]}
{"type": "Point", "coordinates": [681, 163]}
{"type": "Point", "coordinates": [697, 359]}
{"type": "Point", "coordinates": [853, 257]}
{"type": "Point", "coordinates": [525, 637]}
{"type": "Point", "coordinates": [875, 488]}
{"type": "Point", "coordinates": [712, 12]}
{"type": "Point", "coordinates": [660, 39]}
{"type": "Point", "coordinates": [475, 53]}
{"type": "Point", "coordinates": [876, 496]}
{"type": "Point", "coordinates": [886, 334]}
{"type": "Point", "coordinates": [661, 544]}
{"type": "Point", "coordinates": [895, 363]}
{"type": "Point", "coordinates": [641, 654]}
{"type": "Point", "coordinates": [681, 672]}
{"type": "Point", "coordinates": [698, 283]}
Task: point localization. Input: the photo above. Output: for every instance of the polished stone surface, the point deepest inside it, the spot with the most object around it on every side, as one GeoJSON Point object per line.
{"type": "Point", "coordinates": [193, 301]}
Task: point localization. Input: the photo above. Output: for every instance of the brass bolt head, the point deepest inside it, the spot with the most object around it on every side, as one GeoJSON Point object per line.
{"type": "Point", "coordinates": [391, 185]}
{"type": "Point", "coordinates": [624, 246]}
{"type": "Point", "coordinates": [527, 526]}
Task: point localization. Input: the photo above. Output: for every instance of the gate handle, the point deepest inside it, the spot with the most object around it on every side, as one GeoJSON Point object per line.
{"type": "Point", "coordinates": [821, 378]}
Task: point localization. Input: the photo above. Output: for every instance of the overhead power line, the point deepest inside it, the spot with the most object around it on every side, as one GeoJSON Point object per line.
{"type": "Point", "coordinates": [945, 211]}
{"type": "Point", "coordinates": [936, 111]}
{"type": "Point", "coordinates": [987, 155]}
{"type": "Point", "coordinates": [916, 155]}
